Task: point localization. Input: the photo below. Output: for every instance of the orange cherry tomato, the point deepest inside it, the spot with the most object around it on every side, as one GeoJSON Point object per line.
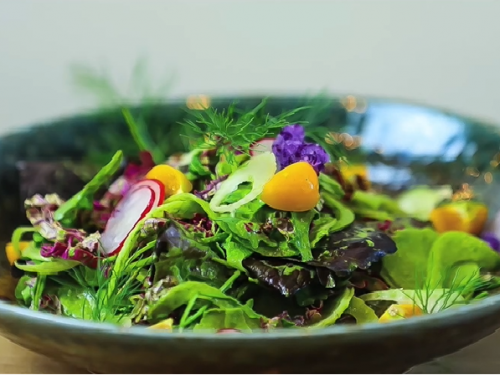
{"type": "Point", "coordinates": [463, 216]}
{"type": "Point", "coordinates": [12, 254]}
{"type": "Point", "coordinates": [294, 189]}
{"type": "Point", "coordinates": [173, 180]}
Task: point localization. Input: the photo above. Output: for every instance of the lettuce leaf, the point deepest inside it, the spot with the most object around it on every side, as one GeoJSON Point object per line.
{"type": "Point", "coordinates": [356, 247]}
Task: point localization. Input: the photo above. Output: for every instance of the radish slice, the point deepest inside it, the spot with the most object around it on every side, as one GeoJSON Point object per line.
{"type": "Point", "coordinates": [264, 145]}
{"type": "Point", "coordinates": [135, 205]}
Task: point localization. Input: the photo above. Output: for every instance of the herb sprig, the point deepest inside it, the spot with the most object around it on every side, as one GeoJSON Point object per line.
{"type": "Point", "coordinates": [229, 130]}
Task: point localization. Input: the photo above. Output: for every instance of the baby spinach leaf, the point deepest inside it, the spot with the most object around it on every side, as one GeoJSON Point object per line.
{"type": "Point", "coordinates": [55, 265]}
{"type": "Point", "coordinates": [300, 239]}
{"type": "Point", "coordinates": [334, 312]}
{"type": "Point", "coordinates": [84, 198]}
{"type": "Point", "coordinates": [451, 249]}
{"type": "Point", "coordinates": [355, 247]}
{"type": "Point", "coordinates": [360, 311]}
{"type": "Point", "coordinates": [407, 268]}
{"type": "Point", "coordinates": [284, 276]}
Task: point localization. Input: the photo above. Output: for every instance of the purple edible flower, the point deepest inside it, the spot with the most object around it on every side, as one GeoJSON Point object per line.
{"type": "Point", "coordinates": [491, 240]}
{"type": "Point", "coordinates": [290, 147]}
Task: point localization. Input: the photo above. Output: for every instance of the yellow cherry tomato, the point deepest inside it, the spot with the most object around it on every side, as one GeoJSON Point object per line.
{"type": "Point", "coordinates": [173, 180]}
{"type": "Point", "coordinates": [294, 189]}
{"type": "Point", "coordinates": [398, 312]}
{"type": "Point", "coordinates": [165, 325]}
{"type": "Point", "coordinates": [463, 216]}
{"type": "Point", "coordinates": [12, 254]}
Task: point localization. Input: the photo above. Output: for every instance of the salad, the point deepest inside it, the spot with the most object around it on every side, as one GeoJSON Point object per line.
{"type": "Point", "coordinates": [260, 226]}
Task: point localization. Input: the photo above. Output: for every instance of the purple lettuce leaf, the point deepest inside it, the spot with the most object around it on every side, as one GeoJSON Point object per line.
{"type": "Point", "coordinates": [353, 248]}
{"type": "Point", "coordinates": [63, 243]}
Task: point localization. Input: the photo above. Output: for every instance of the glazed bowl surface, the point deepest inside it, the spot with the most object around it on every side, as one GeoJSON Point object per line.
{"type": "Point", "coordinates": [402, 144]}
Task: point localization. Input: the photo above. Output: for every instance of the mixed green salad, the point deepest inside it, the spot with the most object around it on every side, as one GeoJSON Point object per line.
{"type": "Point", "coordinates": [257, 227]}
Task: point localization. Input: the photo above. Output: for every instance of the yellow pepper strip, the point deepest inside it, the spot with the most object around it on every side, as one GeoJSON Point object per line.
{"type": "Point", "coordinates": [463, 216]}
{"type": "Point", "coordinates": [12, 254]}
{"type": "Point", "coordinates": [398, 312]}
{"type": "Point", "coordinates": [174, 181]}
{"type": "Point", "coordinates": [166, 324]}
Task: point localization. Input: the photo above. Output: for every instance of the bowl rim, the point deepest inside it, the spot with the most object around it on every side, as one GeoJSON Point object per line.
{"type": "Point", "coordinates": [449, 317]}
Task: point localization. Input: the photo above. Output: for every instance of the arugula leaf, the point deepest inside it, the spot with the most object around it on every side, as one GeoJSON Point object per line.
{"type": "Point", "coordinates": [300, 239]}
{"type": "Point", "coordinates": [246, 211]}
{"type": "Point", "coordinates": [336, 311]}
{"type": "Point", "coordinates": [284, 276]}
{"type": "Point", "coordinates": [84, 198]}
{"type": "Point", "coordinates": [180, 295]}
{"type": "Point", "coordinates": [360, 311]}
{"type": "Point", "coordinates": [247, 232]}
{"type": "Point", "coordinates": [331, 186]}
{"type": "Point", "coordinates": [343, 215]}
{"type": "Point", "coordinates": [236, 253]}
{"type": "Point", "coordinates": [55, 265]}
{"type": "Point", "coordinates": [38, 289]}
{"type": "Point", "coordinates": [356, 247]}
{"type": "Point", "coordinates": [321, 227]}
{"type": "Point", "coordinates": [184, 206]}
{"type": "Point", "coordinates": [191, 265]}
{"type": "Point", "coordinates": [76, 303]}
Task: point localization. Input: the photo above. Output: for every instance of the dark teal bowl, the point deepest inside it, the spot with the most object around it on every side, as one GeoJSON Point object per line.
{"type": "Point", "coordinates": [403, 144]}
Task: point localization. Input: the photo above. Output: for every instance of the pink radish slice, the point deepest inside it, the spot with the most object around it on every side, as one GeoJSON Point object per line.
{"type": "Point", "coordinates": [264, 145]}
{"type": "Point", "coordinates": [142, 197]}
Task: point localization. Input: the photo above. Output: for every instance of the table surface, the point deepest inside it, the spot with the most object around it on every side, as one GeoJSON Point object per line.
{"type": "Point", "coordinates": [482, 357]}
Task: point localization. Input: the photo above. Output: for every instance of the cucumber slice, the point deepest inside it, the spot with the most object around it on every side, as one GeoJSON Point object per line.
{"type": "Point", "coordinates": [258, 170]}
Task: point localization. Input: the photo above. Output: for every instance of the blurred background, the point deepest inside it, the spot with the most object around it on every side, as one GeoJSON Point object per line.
{"type": "Point", "coordinates": [439, 52]}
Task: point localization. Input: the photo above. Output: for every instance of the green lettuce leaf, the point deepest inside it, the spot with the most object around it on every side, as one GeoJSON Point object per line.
{"type": "Point", "coordinates": [426, 259]}
{"type": "Point", "coordinates": [407, 267]}
{"type": "Point", "coordinates": [334, 312]}
{"type": "Point", "coordinates": [361, 312]}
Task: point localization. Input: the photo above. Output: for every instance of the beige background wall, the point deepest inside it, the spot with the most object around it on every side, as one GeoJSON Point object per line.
{"type": "Point", "coordinates": [434, 51]}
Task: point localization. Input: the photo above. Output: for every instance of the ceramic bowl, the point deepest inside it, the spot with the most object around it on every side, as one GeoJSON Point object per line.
{"type": "Point", "coordinates": [403, 144]}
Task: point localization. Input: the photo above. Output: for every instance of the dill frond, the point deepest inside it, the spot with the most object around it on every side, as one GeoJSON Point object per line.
{"type": "Point", "coordinates": [230, 129]}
